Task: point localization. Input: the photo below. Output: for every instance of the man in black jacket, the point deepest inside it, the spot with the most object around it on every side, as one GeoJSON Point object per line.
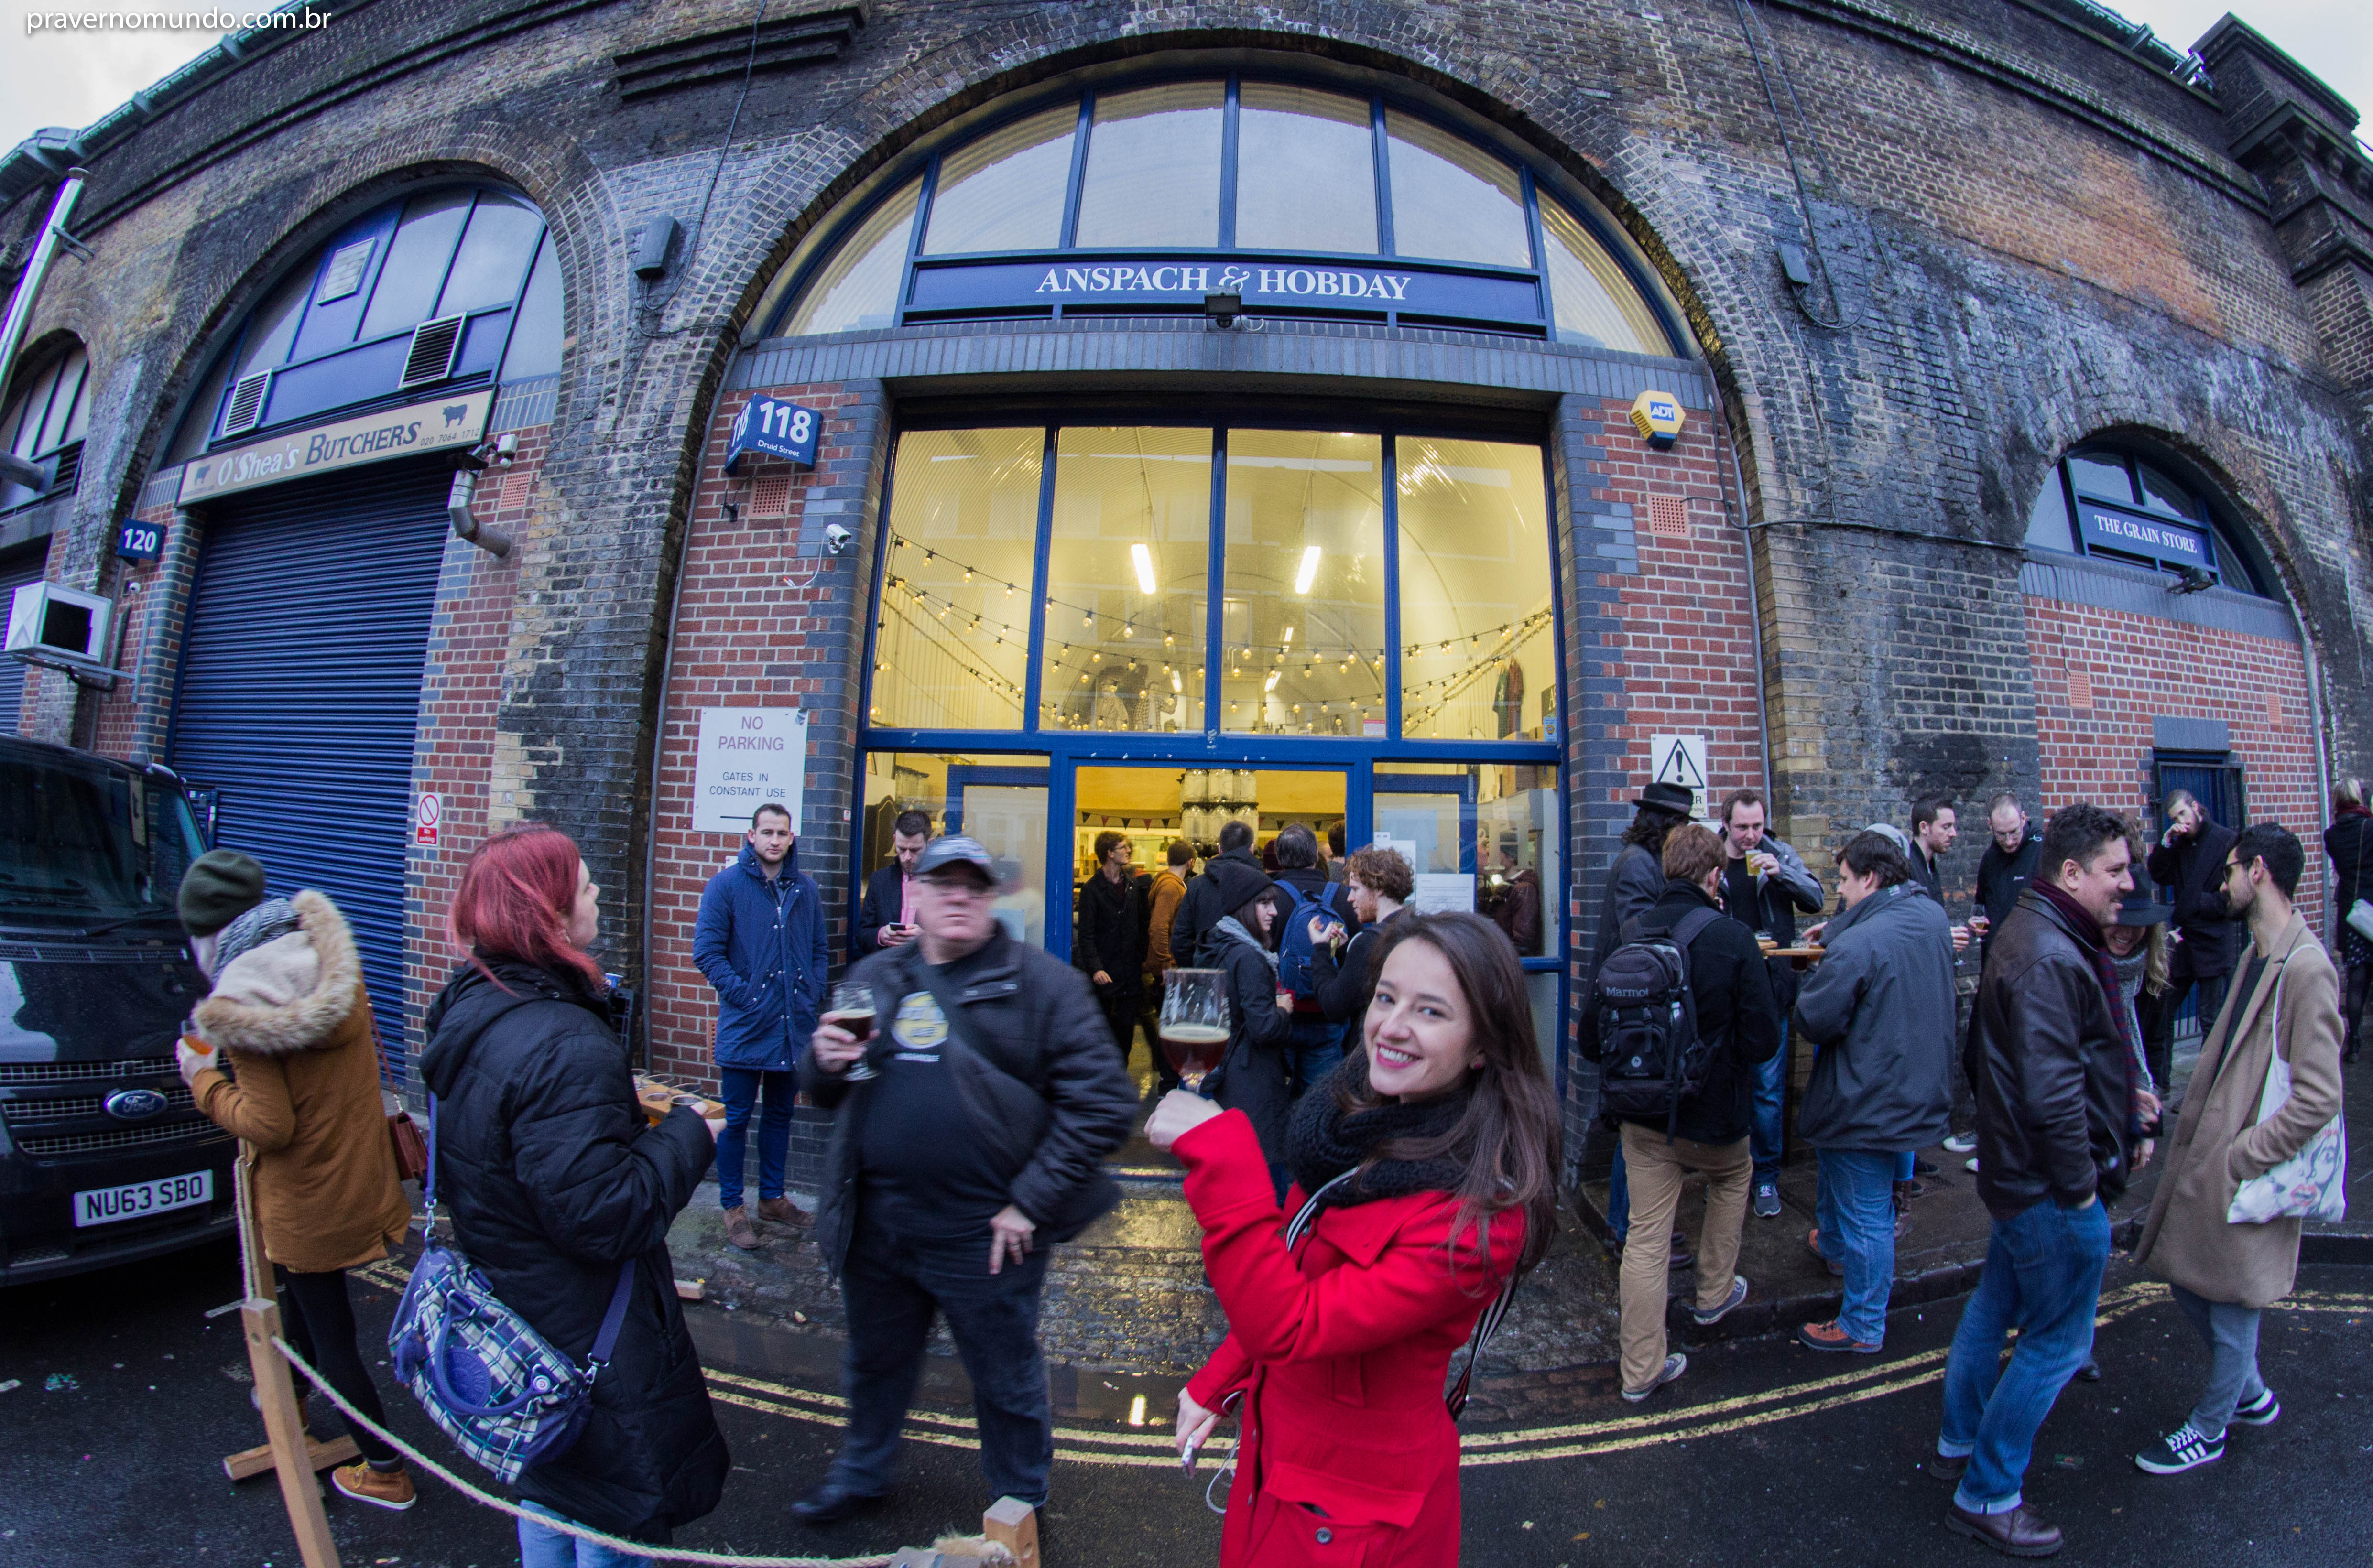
{"type": "Point", "coordinates": [884, 919]}
{"type": "Point", "coordinates": [972, 1135]}
{"type": "Point", "coordinates": [1635, 880]}
{"type": "Point", "coordinates": [2056, 1142]}
{"type": "Point", "coordinates": [1200, 909]}
{"type": "Point", "coordinates": [1708, 1133]}
{"type": "Point", "coordinates": [1109, 937]}
{"type": "Point", "coordinates": [2188, 861]}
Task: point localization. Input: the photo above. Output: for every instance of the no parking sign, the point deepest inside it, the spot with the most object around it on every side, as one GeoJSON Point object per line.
{"type": "Point", "coordinates": [425, 820]}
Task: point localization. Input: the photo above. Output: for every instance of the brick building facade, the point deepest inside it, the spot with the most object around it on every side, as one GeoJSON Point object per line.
{"type": "Point", "coordinates": [1919, 253]}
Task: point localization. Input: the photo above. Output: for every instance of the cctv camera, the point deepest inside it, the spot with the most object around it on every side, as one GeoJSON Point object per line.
{"type": "Point", "coordinates": [837, 539]}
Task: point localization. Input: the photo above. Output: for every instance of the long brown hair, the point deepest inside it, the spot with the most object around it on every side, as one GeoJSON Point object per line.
{"type": "Point", "coordinates": [1510, 1138]}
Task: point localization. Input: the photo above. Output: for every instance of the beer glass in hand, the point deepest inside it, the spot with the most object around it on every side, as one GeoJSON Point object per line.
{"type": "Point", "coordinates": [852, 1010]}
{"type": "Point", "coordinates": [1194, 1026]}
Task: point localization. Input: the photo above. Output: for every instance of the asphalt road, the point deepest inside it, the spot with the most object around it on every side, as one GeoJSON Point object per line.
{"type": "Point", "coordinates": [126, 1394]}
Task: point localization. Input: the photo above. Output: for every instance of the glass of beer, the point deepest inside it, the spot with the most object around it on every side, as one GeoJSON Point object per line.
{"type": "Point", "coordinates": [1194, 1025]}
{"type": "Point", "coordinates": [852, 1009]}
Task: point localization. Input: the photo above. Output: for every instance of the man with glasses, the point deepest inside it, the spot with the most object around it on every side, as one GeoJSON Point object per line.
{"type": "Point", "coordinates": [979, 1139]}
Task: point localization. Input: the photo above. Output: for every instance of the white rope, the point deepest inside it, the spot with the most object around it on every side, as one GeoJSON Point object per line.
{"type": "Point", "coordinates": [547, 1521]}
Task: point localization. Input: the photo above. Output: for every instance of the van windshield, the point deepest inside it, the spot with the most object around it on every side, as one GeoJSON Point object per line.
{"type": "Point", "coordinates": [82, 843]}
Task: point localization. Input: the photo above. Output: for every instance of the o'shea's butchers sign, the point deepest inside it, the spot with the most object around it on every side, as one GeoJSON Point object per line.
{"type": "Point", "coordinates": [1329, 283]}
{"type": "Point", "coordinates": [457, 421]}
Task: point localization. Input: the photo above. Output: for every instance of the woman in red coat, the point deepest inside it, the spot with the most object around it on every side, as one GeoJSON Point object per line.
{"type": "Point", "coordinates": [1433, 1152]}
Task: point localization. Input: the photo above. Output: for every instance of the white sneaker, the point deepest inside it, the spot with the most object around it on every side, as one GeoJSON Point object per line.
{"type": "Point", "coordinates": [1961, 1144]}
{"type": "Point", "coordinates": [1674, 1367]}
{"type": "Point", "coordinates": [1972, 1163]}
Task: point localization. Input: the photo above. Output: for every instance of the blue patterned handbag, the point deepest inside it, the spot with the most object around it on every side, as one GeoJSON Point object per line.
{"type": "Point", "coordinates": [497, 1388]}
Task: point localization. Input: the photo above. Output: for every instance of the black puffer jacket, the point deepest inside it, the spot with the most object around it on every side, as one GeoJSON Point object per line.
{"type": "Point", "coordinates": [2192, 871]}
{"type": "Point", "coordinates": [2052, 1073]}
{"type": "Point", "coordinates": [1047, 1096]}
{"type": "Point", "coordinates": [1735, 1012]}
{"type": "Point", "coordinates": [553, 1178]}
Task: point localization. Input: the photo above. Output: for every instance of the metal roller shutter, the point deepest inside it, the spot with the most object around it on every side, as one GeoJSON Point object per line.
{"type": "Point", "coordinates": [16, 571]}
{"type": "Point", "coordinates": [300, 694]}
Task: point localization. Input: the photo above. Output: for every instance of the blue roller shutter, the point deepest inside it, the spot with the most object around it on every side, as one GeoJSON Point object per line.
{"type": "Point", "coordinates": [299, 693]}
{"type": "Point", "coordinates": [16, 571]}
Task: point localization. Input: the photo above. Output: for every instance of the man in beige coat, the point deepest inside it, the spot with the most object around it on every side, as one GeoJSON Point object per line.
{"type": "Point", "coordinates": [2224, 1274]}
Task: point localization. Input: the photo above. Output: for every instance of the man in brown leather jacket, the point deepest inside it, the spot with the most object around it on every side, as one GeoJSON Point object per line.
{"type": "Point", "coordinates": [2056, 1133]}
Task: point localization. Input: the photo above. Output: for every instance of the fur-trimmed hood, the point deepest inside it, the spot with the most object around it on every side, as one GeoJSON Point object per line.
{"type": "Point", "coordinates": [292, 993]}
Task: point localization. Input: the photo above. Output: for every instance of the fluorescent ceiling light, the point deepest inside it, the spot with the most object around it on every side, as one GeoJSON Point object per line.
{"type": "Point", "coordinates": [1144, 560]}
{"type": "Point", "coordinates": [1270, 684]}
{"type": "Point", "coordinates": [1174, 685]}
{"type": "Point", "coordinates": [1302, 578]}
{"type": "Point", "coordinates": [1289, 634]}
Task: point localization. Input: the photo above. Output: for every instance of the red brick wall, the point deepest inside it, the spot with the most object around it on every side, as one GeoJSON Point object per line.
{"type": "Point", "coordinates": [2138, 666]}
{"type": "Point", "coordinates": [462, 682]}
{"type": "Point", "coordinates": [744, 638]}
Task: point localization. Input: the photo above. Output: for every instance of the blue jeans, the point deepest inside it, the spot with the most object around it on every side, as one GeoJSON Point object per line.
{"type": "Point", "coordinates": [1770, 1086]}
{"type": "Point", "coordinates": [738, 1090]}
{"type": "Point", "coordinates": [2042, 1276]}
{"type": "Point", "coordinates": [1317, 1048]}
{"type": "Point", "coordinates": [1856, 1213]}
{"type": "Point", "coordinates": [542, 1548]}
{"type": "Point", "coordinates": [1907, 1165]}
{"type": "Point", "coordinates": [892, 1287]}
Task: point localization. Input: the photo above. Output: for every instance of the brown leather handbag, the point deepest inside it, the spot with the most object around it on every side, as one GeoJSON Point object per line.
{"type": "Point", "coordinates": [410, 1146]}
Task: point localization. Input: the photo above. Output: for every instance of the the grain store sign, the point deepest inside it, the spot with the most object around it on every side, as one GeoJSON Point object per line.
{"type": "Point", "coordinates": [457, 421]}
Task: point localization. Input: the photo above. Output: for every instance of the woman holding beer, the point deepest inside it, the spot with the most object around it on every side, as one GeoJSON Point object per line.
{"type": "Point", "coordinates": [1430, 1161]}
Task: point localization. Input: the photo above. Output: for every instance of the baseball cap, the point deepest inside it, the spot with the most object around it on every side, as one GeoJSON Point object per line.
{"type": "Point", "coordinates": [955, 849]}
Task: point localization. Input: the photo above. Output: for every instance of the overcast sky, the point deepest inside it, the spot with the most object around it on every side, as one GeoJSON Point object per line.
{"type": "Point", "coordinates": [72, 79]}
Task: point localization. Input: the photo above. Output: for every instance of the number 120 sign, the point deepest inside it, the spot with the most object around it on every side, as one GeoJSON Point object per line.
{"type": "Point", "coordinates": [776, 428]}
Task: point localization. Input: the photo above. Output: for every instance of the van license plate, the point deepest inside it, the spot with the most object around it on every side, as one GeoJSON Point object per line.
{"type": "Point", "coordinates": [105, 1205]}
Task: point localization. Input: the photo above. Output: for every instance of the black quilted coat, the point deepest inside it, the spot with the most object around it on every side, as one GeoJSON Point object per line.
{"type": "Point", "coordinates": [553, 1178]}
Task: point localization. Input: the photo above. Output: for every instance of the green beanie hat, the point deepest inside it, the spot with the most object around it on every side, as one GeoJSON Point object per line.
{"type": "Point", "coordinates": [222, 884]}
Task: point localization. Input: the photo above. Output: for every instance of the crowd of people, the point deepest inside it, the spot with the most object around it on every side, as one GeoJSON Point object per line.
{"type": "Point", "coordinates": [1377, 1157]}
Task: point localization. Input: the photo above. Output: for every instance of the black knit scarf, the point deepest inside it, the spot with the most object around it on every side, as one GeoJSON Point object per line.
{"type": "Point", "coordinates": [2087, 931]}
{"type": "Point", "coordinates": [1323, 1142]}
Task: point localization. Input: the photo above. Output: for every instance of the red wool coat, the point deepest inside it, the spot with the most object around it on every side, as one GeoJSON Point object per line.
{"type": "Point", "coordinates": [1340, 1350]}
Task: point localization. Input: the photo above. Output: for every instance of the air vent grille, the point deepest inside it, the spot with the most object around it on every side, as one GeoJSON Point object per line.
{"type": "Point", "coordinates": [49, 1147]}
{"type": "Point", "coordinates": [432, 351]}
{"type": "Point", "coordinates": [246, 403]}
{"type": "Point", "coordinates": [81, 1071]}
{"type": "Point", "coordinates": [1668, 517]}
{"type": "Point", "coordinates": [69, 468]}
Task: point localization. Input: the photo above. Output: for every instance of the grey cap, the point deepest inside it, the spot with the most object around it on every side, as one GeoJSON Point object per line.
{"type": "Point", "coordinates": [955, 849]}
{"type": "Point", "coordinates": [1893, 835]}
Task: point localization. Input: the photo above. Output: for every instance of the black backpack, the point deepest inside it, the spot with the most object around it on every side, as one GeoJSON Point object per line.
{"type": "Point", "coordinates": [1651, 1057]}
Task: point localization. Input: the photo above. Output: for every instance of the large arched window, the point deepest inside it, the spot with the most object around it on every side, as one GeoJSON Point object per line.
{"type": "Point", "coordinates": [1299, 199]}
{"type": "Point", "coordinates": [43, 424]}
{"type": "Point", "coordinates": [443, 289]}
{"type": "Point", "coordinates": [2119, 504]}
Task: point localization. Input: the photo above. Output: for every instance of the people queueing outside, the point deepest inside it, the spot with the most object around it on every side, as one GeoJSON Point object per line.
{"type": "Point", "coordinates": [1879, 1009]}
{"type": "Point", "coordinates": [1766, 884]}
{"type": "Point", "coordinates": [1378, 883]}
{"type": "Point", "coordinates": [2056, 1145]}
{"type": "Point", "coordinates": [1635, 880]}
{"type": "Point", "coordinates": [1317, 1043]}
{"type": "Point", "coordinates": [290, 1065]}
{"type": "Point", "coordinates": [1200, 909]}
{"type": "Point", "coordinates": [886, 916]}
{"type": "Point", "coordinates": [2009, 866]}
{"type": "Point", "coordinates": [1109, 937]}
{"type": "Point", "coordinates": [2348, 850]}
{"type": "Point", "coordinates": [760, 940]}
{"type": "Point", "coordinates": [2224, 1274]}
{"type": "Point", "coordinates": [1256, 1071]}
{"type": "Point", "coordinates": [1433, 1158]}
{"type": "Point", "coordinates": [1161, 901]}
{"type": "Point", "coordinates": [969, 1132]}
{"type": "Point", "coordinates": [1707, 1131]}
{"type": "Point", "coordinates": [554, 1178]}
{"type": "Point", "coordinates": [2189, 862]}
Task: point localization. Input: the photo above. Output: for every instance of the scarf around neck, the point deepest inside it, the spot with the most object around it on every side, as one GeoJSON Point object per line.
{"type": "Point", "coordinates": [1323, 1141]}
{"type": "Point", "coordinates": [2087, 932]}
{"type": "Point", "coordinates": [1230, 925]}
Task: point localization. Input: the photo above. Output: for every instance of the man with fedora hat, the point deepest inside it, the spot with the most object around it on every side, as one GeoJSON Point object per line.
{"type": "Point", "coordinates": [979, 1139]}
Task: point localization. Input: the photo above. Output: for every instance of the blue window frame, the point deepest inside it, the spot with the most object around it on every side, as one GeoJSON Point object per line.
{"type": "Point", "coordinates": [2127, 506]}
{"type": "Point", "coordinates": [336, 333]}
{"type": "Point", "coordinates": [1108, 202]}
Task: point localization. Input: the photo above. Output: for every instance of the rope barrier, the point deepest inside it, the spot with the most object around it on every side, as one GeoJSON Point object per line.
{"type": "Point", "coordinates": [564, 1527]}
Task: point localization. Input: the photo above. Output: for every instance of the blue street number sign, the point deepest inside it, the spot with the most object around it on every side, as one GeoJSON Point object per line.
{"type": "Point", "coordinates": [775, 428]}
{"type": "Point", "coordinates": [140, 541]}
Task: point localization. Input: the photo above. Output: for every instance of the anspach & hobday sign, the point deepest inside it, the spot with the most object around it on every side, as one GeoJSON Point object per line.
{"type": "Point", "coordinates": [1328, 285]}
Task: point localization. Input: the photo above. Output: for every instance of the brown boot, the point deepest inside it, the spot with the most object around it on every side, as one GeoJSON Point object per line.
{"type": "Point", "coordinates": [738, 1231]}
{"type": "Point", "coordinates": [381, 1489]}
{"type": "Point", "coordinates": [780, 1211]}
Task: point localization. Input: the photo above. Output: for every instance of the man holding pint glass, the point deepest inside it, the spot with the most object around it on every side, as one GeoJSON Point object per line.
{"type": "Point", "coordinates": [975, 1094]}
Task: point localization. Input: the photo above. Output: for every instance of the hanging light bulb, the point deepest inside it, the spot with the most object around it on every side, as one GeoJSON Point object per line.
{"type": "Point", "coordinates": [1009, 590]}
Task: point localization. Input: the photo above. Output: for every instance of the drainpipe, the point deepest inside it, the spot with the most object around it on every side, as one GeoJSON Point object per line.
{"type": "Point", "coordinates": [28, 287]}
{"type": "Point", "coordinates": [1728, 439]}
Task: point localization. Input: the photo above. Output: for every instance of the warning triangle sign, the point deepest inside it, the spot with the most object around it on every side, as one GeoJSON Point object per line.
{"type": "Point", "coordinates": [1680, 760]}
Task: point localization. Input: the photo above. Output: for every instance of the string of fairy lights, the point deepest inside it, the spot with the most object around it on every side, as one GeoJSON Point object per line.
{"type": "Point", "coordinates": [933, 612]}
